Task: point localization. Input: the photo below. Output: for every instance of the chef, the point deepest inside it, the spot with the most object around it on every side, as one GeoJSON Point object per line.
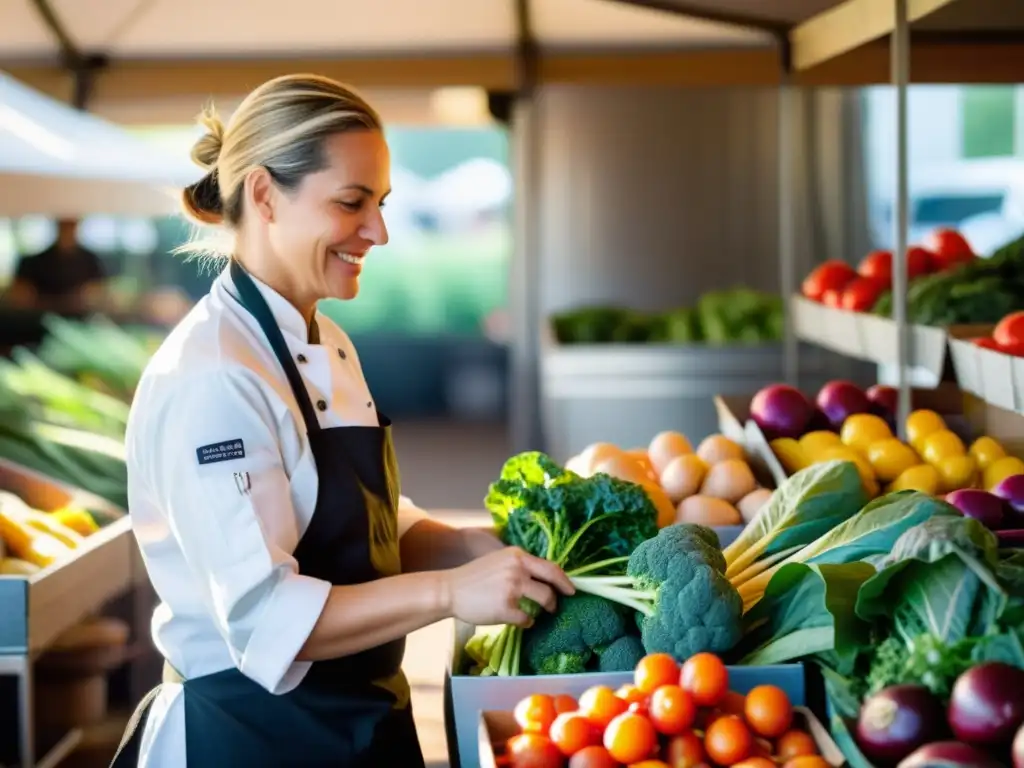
{"type": "Point", "coordinates": [263, 487]}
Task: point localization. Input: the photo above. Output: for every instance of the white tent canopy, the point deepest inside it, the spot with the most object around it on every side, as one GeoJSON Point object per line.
{"type": "Point", "coordinates": [58, 160]}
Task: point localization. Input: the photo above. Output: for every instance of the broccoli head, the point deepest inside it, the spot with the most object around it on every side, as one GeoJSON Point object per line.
{"type": "Point", "coordinates": [620, 656]}
{"type": "Point", "coordinates": [564, 642]}
{"type": "Point", "coordinates": [676, 583]}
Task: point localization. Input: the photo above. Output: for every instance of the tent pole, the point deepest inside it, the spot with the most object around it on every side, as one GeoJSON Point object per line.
{"type": "Point", "coordinates": [82, 67]}
{"type": "Point", "coordinates": [788, 95]}
{"type": "Point", "coordinates": [900, 73]}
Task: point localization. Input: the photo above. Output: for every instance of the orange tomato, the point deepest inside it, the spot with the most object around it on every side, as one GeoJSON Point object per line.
{"type": "Point", "coordinates": [531, 750]}
{"type": "Point", "coordinates": [565, 703]}
{"type": "Point", "coordinates": [755, 762]}
{"type": "Point", "coordinates": [768, 711]}
{"type": "Point", "coordinates": [600, 705]}
{"type": "Point", "coordinates": [672, 710]}
{"type": "Point", "coordinates": [655, 670]}
{"type": "Point", "coordinates": [728, 740]}
{"type": "Point", "coordinates": [650, 764]}
{"type": "Point", "coordinates": [629, 738]}
{"type": "Point", "coordinates": [631, 694]}
{"type": "Point", "coordinates": [535, 713]}
{"type": "Point", "coordinates": [571, 732]}
{"type": "Point", "coordinates": [795, 743]}
{"type": "Point", "coordinates": [807, 761]}
{"type": "Point", "coordinates": [593, 757]}
{"type": "Point", "coordinates": [705, 677]}
{"type": "Point", "coordinates": [685, 751]}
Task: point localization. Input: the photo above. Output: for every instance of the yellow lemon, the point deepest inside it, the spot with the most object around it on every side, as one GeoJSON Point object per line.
{"type": "Point", "coordinates": [815, 443]}
{"type": "Point", "coordinates": [790, 454]}
{"type": "Point", "coordinates": [985, 450]}
{"type": "Point", "coordinates": [922, 423]}
{"type": "Point", "coordinates": [941, 445]}
{"type": "Point", "coordinates": [862, 429]}
{"type": "Point", "coordinates": [867, 474]}
{"type": "Point", "coordinates": [1000, 469]}
{"type": "Point", "coordinates": [923, 477]}
{"type": "Point", "coordinates": [957, 472]}
{"type": "Point", "coordinates": [890, 458]}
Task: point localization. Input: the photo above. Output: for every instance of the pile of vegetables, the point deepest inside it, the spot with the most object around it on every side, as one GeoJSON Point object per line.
{"type": "Point", "coordinates": [712, 485]}
{"type": "Point", "coordinates": [837, 284]}
{"type": "Point", "coordinates": [738, 316]}
{"type": "Point", "coordinates": [671, 716]}
{"type": "Point", "coordinates": [845, 423]}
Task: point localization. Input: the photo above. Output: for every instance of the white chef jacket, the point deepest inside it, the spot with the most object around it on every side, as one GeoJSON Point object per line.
{"type": "Point", "coordinates": [220, 559]}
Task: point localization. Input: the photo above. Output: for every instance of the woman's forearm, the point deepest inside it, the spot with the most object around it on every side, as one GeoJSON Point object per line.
{"type": "Point", "coordinates": [429, 546]}
{"type": "Point", "coordinates": [363, 616]}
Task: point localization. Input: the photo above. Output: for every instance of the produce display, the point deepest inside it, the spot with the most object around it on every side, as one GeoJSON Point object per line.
{"type": "Point", "coordinates": [30, 540]}
{"type": "Point", "coordinates": [738, 316]}
{"type": "Point", "coordinates": [845, 423]}
{"type": "Point", "coordinates": [671, 716]}
{"type": "Point", "coordinates": [712, 485]}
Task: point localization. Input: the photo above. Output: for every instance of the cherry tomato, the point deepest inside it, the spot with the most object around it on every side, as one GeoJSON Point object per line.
{"type": "Point", "coordinates": [650, 764]}
{"type": "Point", "coordinates": [535, 713]}
{"type": "Point", "coordinates": [833, 297]}
{"type": "Point", "coordinates": [807, 761]}
{"type": "Point", "coordinates": [685, 751]}
{"type": "Point", "coordinates": [795, 743]}
{"type": "Point", "coordinates": [655, 670]}
{"type": "Point", "coordinates": [756, 762]}
{"type": "Point", "coordinates": [1009, 330]}
{"type": "Point", "coordinates": [861, 294]}
{"type": "Point", "coordinates": [948, 249]}
{"type": "Point", "coordinates": [705, 677]}
{"type": "Point", "coordinates": [919, 261]}
{"type": "Point", "coordinates": [593, 757]}
{"type": "Point", "coordinates": [672, 710]}
{"type": "Point", "coordinates": [600, 705]}
{"type": "Point", "coordinates": [629, 738]}
{"type": "Point", "coordinates": [768, 711]}
{"type": "Point", "coordinates": [728, 740]}
{"type": "Point", "coordinates": [631, 694]}
{"type": "Point", "coordinates": [571, 732]}
{"type": "Point", "coordinates": [565, 703]}
{"type": "Point", "coordinates": [1015, 350]}
{"type": "Point", "coordinates": [878, 266]}
{"type": "Point", "coordinates": [829, 275]}
{"type": "Point", "coordinates": [986, 342]}
{"type": "Point", "coordinates": [531, 750]}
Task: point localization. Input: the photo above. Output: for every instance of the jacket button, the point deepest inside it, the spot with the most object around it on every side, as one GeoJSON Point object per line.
{"type": "Point", "coordinates": [321, 405]}
{"type": "Point", "coordinates": [301, 358]}
{"type": "Point", "coordinates": [341, 353]}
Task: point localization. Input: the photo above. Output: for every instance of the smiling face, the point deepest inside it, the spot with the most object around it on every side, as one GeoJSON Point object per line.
{"type": "Point", "coordinates": [319, 233]}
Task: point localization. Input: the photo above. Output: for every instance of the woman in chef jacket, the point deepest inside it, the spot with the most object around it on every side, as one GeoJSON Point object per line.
{"type": "Point", "coordinates": [263, 486]}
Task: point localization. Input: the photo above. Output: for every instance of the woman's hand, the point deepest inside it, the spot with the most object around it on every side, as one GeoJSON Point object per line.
{"type": "Point", "coordinates": [487, 590]}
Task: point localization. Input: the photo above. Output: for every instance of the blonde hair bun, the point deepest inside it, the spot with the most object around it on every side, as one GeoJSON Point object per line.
{"type": "Point", "coordinates": [206, 150]}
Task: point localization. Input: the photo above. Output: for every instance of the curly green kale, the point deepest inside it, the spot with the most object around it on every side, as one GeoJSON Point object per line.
{"type": "Point", "coordinates": [676, 583]}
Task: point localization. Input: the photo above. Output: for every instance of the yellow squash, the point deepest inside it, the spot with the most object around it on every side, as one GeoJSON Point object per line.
{"type": "Point", "coordinates": [25, 540]}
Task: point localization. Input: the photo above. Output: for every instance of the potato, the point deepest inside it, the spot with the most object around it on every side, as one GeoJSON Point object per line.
{"type": "Point", "coordinates": [729, 480]}
{"type": "Point", "coordinates": [706, 510]}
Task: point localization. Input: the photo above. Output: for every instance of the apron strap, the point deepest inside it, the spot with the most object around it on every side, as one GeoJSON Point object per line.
{"type": "Point", "coordinates": [127, 755]}
{"type": "Point", "coordinates": [254, 302]}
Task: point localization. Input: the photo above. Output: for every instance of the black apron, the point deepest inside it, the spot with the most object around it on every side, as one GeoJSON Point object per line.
{"type": "Point", "coordinates": [351, 712]}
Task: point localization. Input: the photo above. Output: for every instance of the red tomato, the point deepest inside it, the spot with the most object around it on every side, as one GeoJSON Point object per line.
{"type": "Point", "coordinates": [861, 294]}
{"type": "Point", "coordinates": [948, 248]}
{"type": "Point", "coordinates": [1009, 330]}
{"type": "Point", "coordinates": [705, 677]}
{"type": "Point", "coordinates": [535, 713]}
{"type": "Point", "coordinates": [1016, 349]}
{"type": "Point", "coordinates": [878, 266]}
{"type": "Point", "coordinates": [593, 757]}
{"type": "Point", "coordinates": [564, 703]}
{"type": "Point", "coordinates": [630, 738]}
{"type": "Point", "coordinates": [571, 732]}
{"type": "Point", "coordinates": [919, 262]}
{"type": "Point", "coordinates": [531, 750]}
{"type": "Point", "coordinates": [830, 275]}
{"type": "Point", "coordinates": [685, 751]}
{"type": "Point", "coordinates": [672, 710]}
{"type": "Point", "coordinates": [986, 342]}
{"type": "Point", "coordinates": [832, 298]}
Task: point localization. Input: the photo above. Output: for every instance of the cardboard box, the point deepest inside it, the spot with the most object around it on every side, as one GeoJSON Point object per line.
{"type": "Point", "coordinates": [993, 376]}
{"type": "Point", "coordinates": [873, 338]}
{"type": "Point", "coordinates": [467, 696]}
{"type": "Point", "coordinates": [494, 728]}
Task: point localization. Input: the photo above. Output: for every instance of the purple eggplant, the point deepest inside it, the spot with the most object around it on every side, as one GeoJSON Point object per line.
{"type": "Point", "coordinates": [897, 720]}
{"type": "Point", "coordinates": [949, 754]}
{"type": "Point", "coordinates": [983, 506]}
{"type": "Point", "coordinates": [986, 706]}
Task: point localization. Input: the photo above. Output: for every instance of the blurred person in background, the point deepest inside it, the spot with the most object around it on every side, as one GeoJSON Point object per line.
{"type": "Point", "coordinates": [65, 278]}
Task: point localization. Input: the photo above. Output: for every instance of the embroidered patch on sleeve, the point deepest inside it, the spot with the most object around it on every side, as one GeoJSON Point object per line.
{"type": "Point", "coordinates": [226, 451]}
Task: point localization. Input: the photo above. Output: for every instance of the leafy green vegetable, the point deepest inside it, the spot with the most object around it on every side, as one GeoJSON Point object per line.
{"type": "Point", "coordinates": [567, 641]}
{"type": "Point", "coordinates": [806, 506]}
{"type": "Point", "coordinates": [583, 524]}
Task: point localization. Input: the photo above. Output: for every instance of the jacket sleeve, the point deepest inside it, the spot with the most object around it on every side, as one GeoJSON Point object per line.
{"type": "Point", "coordinates": [216, 470]}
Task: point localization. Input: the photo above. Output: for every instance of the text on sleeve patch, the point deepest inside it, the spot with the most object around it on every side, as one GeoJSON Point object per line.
{"type": "Point", "coordinates": [226, 451]}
